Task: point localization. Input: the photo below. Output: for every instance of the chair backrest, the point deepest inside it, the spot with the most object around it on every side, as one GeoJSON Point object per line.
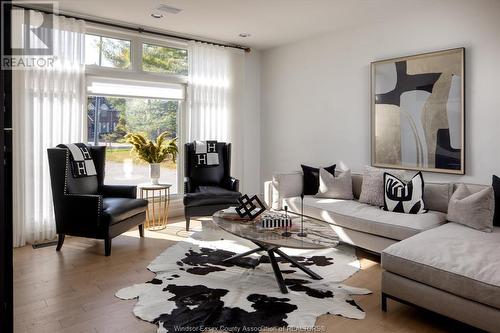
{"type": "Point", "coordinates": [210, 175]}
{"type": "Point", "coordinates": [62, 177]}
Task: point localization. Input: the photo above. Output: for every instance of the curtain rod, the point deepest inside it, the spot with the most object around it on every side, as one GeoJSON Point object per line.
{"type": "Point", "coordinates": [138, 29]}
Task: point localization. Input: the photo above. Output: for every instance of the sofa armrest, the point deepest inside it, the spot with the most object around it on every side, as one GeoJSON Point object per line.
{"type": "Point", "coordinates": [283, 185]}
{"type": "Point", "coordinates": [268, 193]}
{"type": "Point", "coordinates": [120, 191]}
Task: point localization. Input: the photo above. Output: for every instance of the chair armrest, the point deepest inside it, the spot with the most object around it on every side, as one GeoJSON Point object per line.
{"type": "Point", "coordinates": [120, 191]}
{"type": "Point", "coordinates": [82, 208]}
{"type": "Point", "coordinates": [284, 185]}
{"type": "Point", "coordinates": [233, 184]}
{"type": "Point", "coordinates": [187, 185]}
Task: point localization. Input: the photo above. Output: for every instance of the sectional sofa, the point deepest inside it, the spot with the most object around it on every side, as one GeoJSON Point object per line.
{"type": "Point", "coordinates": [442, 266]}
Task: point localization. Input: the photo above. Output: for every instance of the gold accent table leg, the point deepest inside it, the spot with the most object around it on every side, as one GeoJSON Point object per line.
{"type": "Point", "coordinates": [168, 206]}
{"type": "Point", "coordinates": [148, 222]}
{"type": "Point", "coordinates": [154, 215]}
{"type": "Point", "coordinates": [165, 209]}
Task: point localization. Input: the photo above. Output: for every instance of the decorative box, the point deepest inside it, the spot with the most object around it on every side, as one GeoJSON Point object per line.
{"type": "Point", "coordinates": [275, 220]}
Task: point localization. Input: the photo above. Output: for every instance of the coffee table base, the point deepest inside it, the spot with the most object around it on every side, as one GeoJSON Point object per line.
{"type": "Point", "coordinates": [271, 251]}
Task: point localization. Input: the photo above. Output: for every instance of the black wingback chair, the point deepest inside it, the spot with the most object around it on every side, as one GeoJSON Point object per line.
{"type": "Point", "coordinates": [208, 189]}
{"type": "Point", "coordinates": [85, 207]}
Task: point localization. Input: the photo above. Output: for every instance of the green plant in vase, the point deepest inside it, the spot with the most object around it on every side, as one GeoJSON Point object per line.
{"type": "Point", "coordinates": [153, 152]}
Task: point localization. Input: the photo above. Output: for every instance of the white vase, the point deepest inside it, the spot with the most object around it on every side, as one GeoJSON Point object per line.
{"type": "Point", "coordinates": [154, 172]}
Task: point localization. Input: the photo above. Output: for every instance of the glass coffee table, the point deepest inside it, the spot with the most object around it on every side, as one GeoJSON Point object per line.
{"type": "Point", "coordinates": [319, 235]}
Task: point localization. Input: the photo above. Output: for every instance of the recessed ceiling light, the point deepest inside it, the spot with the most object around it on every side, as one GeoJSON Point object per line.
{"type": "Point", "coordinates": [244, 35]}
{"type": "Point", "coordinates": [156, 15]}
{"type": "Point", "coordinates": [169, 9]}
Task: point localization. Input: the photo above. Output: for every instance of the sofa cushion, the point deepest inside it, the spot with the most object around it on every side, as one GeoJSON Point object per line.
{"type": "Point", "coordinates": [311, 178]}
{"type": "Point", "coordinates": [335, 187]}
{"type": "Point", "coordinates": [116, 210]}
{"type": "Point", "coordinates": [211, 195]}
{"type": "Point", "coordinates": [366, 218]}
{"type": "Point", "coordinates": [452, 257]}
{"type": "Point", "coordinates": [472, 208]}
{"type": "Point", "coordinates": [437, 196]}
{"type": "Point", "coordinates": [496, 188]}
{"type": "Point", "coordinates": [372, 188]}
{"type": "Point", "coordinates": [404, 197]}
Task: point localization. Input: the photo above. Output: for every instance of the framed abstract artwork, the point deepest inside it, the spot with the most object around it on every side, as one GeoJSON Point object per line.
{"type": "Point", "coordinates": [418, 112]}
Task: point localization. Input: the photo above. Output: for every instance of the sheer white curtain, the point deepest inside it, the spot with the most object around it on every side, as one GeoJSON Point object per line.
{"type": "Point", "coordinates": [49, 108]}
{"type": "Point", "coordinates": [214, 96]}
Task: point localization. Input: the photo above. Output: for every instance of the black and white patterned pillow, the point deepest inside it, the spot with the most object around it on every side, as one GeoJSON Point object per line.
{"type": "Point", "coordinates": [402, 197]}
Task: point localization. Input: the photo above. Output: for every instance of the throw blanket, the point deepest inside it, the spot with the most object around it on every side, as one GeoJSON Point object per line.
{"type": "Point", "coordinates": [82, 164]}
{"type": "Point", "coordinates": [206, 153]}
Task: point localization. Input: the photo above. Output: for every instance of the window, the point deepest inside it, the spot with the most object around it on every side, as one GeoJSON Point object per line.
{"type": "Point", "coordinates": [111, 118]}
{"type": "Point", "coordinates": [107, 52]}
{"type": "Point", "coordinates": [126, 94]}
{"type": "Point", "coordinates": [103, 51]}
{"type": "Point", "coordinates": [161, 59]}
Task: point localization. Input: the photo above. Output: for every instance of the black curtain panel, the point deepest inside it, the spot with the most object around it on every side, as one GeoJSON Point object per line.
{"type": "Point", "coordinates": [6, 285]}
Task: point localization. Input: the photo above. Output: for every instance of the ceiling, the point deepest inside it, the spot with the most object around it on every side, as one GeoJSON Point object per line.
{"type": "Point", "coordinates": [270, 22]}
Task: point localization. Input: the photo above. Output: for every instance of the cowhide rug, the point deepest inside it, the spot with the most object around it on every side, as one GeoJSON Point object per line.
{"type": "Point", "coordinates": [194, 290]}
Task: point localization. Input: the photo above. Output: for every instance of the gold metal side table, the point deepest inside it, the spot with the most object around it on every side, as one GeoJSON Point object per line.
{"type": "Point", "coordinates": [156, 217]}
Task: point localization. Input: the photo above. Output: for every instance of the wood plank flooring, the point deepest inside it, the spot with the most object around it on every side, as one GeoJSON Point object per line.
{"type": "Point", "coordinates": [73, 290]}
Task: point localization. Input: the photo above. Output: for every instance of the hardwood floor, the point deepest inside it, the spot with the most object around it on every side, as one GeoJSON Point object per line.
{"type": "Point", "coordinates": [73, 290]}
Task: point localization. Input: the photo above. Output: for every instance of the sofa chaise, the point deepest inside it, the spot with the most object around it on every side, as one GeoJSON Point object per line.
{"type": "Point", "coordinates": [429, 262]}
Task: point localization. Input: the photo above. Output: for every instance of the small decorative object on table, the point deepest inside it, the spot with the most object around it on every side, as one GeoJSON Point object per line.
{"type": "Point", "coordinates": [153, 152]}
{"type": "Point", "coordinates": [286, 233]}
{"type": "Point", "coordinates": [275, 220]}
{"type": "Point", "coordinates": [250, 207]}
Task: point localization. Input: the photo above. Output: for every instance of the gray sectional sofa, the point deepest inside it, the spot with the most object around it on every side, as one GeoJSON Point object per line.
{"type": "Point", "coordinates": [442, 266]}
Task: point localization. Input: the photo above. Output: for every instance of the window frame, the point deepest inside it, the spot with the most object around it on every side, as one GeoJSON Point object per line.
{"type": "Point", "coordinates": [161, 44]}
{"type": "Point", "coordinates": [135, 69]}
{"type": "Point", "coordinates": [135, 72]}
{"type": "Point", "coordinates": [129, 68]}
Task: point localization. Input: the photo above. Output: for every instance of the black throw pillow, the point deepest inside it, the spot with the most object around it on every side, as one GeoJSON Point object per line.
{"type": "Point", "coordinates": [496, 189]}
{"type": "Point", "coordinates": [311, 178]}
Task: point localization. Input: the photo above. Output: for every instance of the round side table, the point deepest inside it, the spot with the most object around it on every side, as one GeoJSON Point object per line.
{"type": "Point", "coordinates": [156, 218]}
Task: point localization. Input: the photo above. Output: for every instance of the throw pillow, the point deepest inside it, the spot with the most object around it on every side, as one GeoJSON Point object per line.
{"type": "Point", "coordinates": [332, 187]}
{"type": "Point", "coordinates": [311, 178]}
{"type": "Point", "coordinates": [496, 189]}
{"type": "Point", "coordinates": [473, 208]}
{"type": "Point", "coordinates": [401, 197]}
{"type": "Point", "coordinates": [372, 188]}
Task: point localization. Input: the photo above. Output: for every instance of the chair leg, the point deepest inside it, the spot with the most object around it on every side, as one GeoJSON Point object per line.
{"type": "Point", "coordinates": [187, 223]}
{"type": "Point", "coordinates": [141, 230]}
{"type": "Point", "coordinates": [60, 242]}
{"type": "Point", "coordinates": [107, 247]}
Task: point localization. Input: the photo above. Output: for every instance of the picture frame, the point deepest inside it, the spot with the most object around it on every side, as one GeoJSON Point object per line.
{"type": "Point", "coordinates": [418, 112]}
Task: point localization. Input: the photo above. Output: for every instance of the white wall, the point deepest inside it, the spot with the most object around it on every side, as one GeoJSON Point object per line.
{"type": "Point", "coordinates": [316, 93]}
{"type": "Point", "coordinates": [250, 126]}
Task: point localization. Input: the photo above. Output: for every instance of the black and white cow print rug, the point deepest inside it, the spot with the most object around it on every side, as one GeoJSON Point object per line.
{"type": "Point", "coordinates": [194, 290]}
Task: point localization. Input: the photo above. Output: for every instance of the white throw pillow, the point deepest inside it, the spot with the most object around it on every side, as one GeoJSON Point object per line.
{"type": "Point", "coordinates": [332, 187]}
{"type": "Point", "coordinates": [372, 188]}
{"type": "Point", "coordinates": [472, 207]}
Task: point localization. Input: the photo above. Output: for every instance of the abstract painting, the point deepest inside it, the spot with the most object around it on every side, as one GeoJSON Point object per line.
{"type": "Point", "coordinates": [418, 112]}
